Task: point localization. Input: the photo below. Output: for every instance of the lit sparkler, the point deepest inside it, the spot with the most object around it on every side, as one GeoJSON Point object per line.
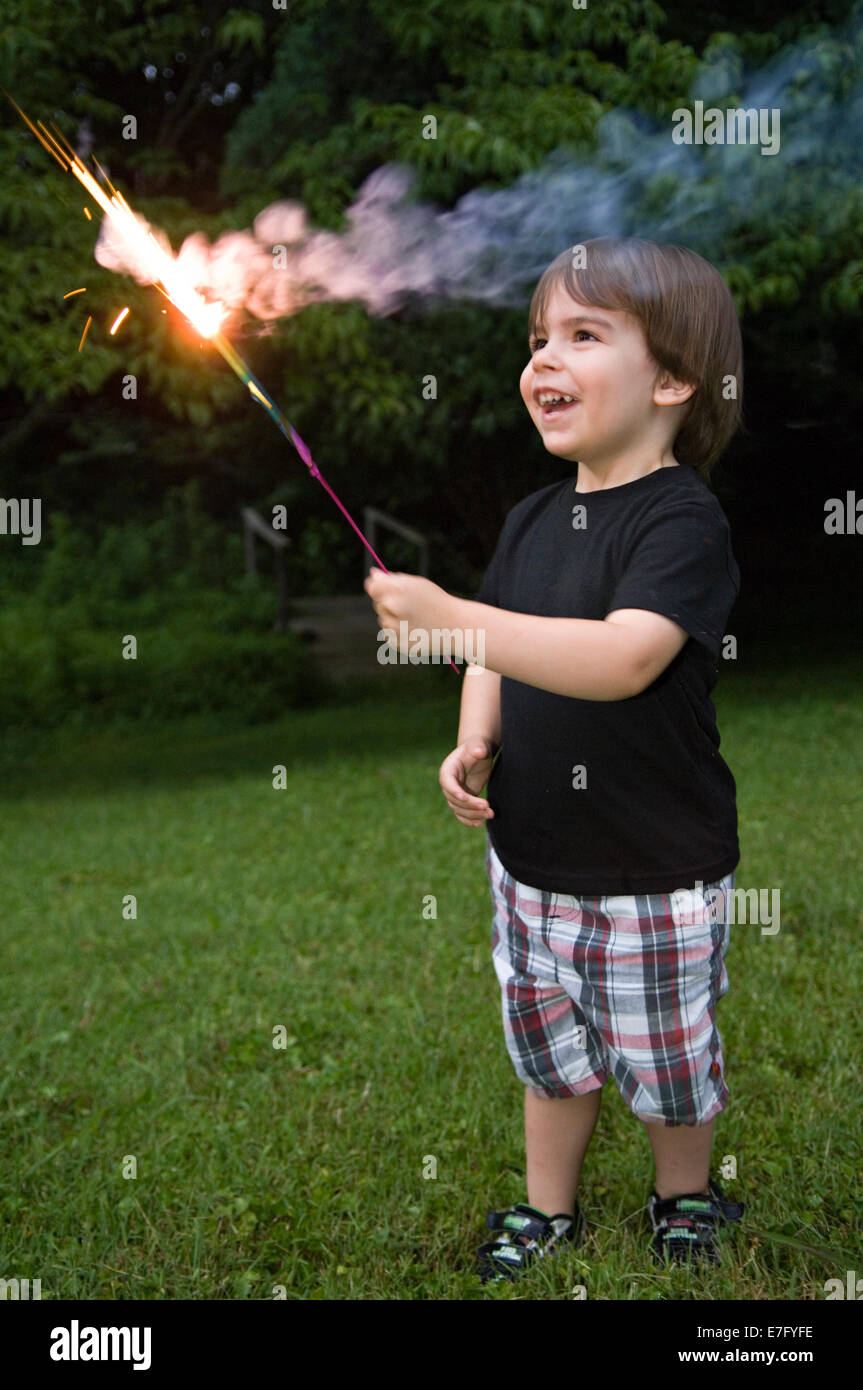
{"type": "Point", "coordinates": [164, 272]}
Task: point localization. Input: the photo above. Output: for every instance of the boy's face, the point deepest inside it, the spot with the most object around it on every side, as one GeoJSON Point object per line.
{"type": "Point", "coordinates": [600, 357]}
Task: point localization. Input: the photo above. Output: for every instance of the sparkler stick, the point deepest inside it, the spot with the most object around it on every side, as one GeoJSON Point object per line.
{"type": "Point", "coordinates": [165, 274]}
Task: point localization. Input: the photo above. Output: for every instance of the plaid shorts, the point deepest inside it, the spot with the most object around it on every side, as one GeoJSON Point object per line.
{"type": "Point", "coordinates": [621, 984]}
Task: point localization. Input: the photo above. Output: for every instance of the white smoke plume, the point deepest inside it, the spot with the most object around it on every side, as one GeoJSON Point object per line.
{"type": "Point", "coordinates": [494, 245]}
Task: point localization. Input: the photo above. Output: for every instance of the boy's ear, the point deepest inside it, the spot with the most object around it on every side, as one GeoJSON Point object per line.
{"type": "Point", "coordinates": [669, 391]}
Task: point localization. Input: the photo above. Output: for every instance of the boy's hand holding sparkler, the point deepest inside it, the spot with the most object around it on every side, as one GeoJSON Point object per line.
{"type": "Point", "coordinates": [409, 598]}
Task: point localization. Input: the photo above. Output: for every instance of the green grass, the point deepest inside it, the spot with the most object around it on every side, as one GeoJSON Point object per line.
{"type": "Point", "coordinates": [302, 908]}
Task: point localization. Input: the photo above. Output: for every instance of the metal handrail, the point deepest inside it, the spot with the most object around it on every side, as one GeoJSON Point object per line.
{"type": "Point", "coordinates": [254, 525]}
{"type": "Point", "coordinates": [372, 519]}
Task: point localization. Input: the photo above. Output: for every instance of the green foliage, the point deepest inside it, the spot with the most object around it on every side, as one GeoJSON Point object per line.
{"type": "Point", "coordinates": [57, 669]}
{"type": "Point", "coordinates": [181, 547]}
{"type": "Point", "coordinates": [206, 643]}
{"type": "Point", "coordinates": [242, 29]}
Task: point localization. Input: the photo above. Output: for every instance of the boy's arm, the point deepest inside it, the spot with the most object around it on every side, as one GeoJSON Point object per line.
{"type": "Point", "coordinates": [480, 706]}
{"type": "Point", "coordinates": [588, 659]}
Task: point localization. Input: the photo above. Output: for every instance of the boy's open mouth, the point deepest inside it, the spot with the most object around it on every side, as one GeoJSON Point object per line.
{"type": "Point", "coordinates": [554, 409]}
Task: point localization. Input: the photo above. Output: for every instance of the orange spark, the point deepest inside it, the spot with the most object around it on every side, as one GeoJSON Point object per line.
{"type": "Point", "coordinates": [83, 290]}
{"type": "Point", "coordinates": [84, 334]}
{"type": "Point", "coordinates": [119, 319]}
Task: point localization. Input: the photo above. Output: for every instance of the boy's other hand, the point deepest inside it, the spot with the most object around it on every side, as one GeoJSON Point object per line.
{"type": "Point", "coordinates": [464, 773]}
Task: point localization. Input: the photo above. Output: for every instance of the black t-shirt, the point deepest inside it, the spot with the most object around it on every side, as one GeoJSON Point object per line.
{"type": "Point", "coordinates": [658, 811]}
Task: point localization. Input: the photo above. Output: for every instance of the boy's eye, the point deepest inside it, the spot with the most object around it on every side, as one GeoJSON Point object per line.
{"type": "Point", "coordinates": [538, 342]}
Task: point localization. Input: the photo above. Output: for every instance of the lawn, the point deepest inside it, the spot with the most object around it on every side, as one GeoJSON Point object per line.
{"type": "Point", "coordinates": [144, 1044]}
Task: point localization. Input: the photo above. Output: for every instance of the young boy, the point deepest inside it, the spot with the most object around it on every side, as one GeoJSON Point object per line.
{"type": "Point", "coordinates": [611, 816]}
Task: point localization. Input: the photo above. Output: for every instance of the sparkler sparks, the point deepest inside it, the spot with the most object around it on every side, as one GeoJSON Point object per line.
{"type": "Point", "coordinates": [161, 269]}
{"type": "Point", "coordinates": [118, 320]}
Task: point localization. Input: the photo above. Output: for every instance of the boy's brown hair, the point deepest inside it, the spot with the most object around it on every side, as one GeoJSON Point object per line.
{"type": "Point", "coordinates": [688, 317]}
